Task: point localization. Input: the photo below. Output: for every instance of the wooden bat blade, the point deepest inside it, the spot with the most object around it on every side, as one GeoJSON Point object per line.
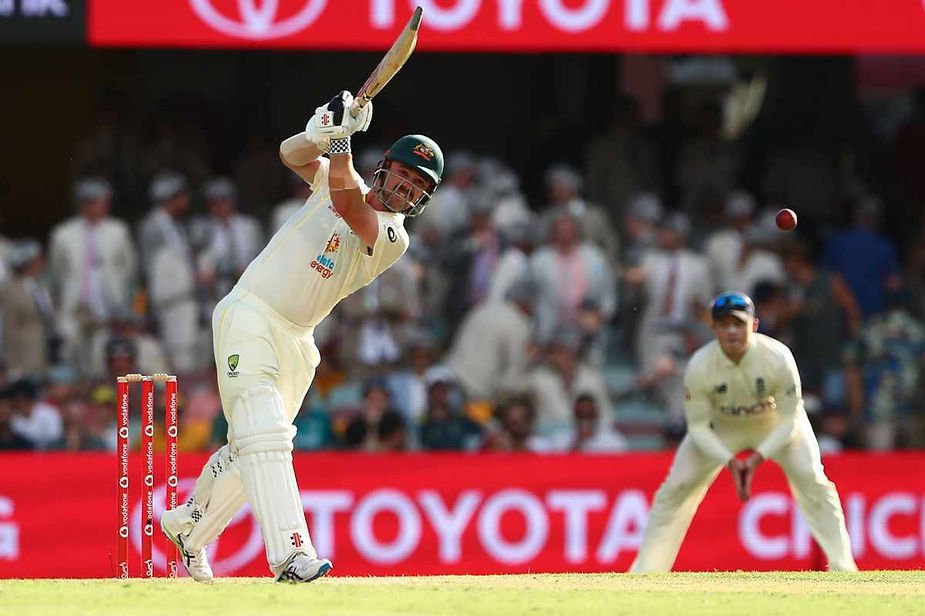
{"type": "Point", "coordinates": [391, 62]}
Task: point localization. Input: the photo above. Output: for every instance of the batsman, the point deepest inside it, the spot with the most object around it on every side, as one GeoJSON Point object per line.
{"type": "Point", "coordinates": [742, 392]}
{"type": "Point", "coordinates": [342, 238]}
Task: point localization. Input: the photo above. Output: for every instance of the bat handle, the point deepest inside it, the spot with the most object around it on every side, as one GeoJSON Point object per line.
{"type": "Point", "coordinates": [358, 103]}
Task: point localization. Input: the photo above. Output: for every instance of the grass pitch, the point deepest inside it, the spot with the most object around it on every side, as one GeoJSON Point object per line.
{"type": "Point", "coordinates": [793, 594]}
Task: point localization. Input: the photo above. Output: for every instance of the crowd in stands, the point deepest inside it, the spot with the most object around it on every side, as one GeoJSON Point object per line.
{"type": "Point", "coordinates": [555, 326]}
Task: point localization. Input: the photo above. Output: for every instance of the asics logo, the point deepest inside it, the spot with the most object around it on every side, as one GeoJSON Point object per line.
{"type": "Point", "coordinates": [257, 19]}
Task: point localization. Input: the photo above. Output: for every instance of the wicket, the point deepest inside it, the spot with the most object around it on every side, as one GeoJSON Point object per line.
{"type": "Point", "coordinates": [147, 479]}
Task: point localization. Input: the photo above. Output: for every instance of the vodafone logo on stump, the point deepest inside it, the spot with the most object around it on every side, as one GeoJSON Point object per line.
{"type": "Point", "coordinates": [258, 19]}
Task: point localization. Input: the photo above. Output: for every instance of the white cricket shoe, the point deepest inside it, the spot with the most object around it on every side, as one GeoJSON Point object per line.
{"type": "Point", "coordinates": [175, 528]}
{"type": "Point", "coordinates": [303, 568]}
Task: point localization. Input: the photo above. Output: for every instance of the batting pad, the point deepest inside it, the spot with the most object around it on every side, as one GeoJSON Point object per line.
{"type": "Point", "coordinates": [262, 441]}
{"type": "Point", "coordinates": [217, 497]}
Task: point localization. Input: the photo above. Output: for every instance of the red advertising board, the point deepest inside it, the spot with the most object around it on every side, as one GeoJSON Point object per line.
{"type": "Point", "coordinates": [441, 514]}
{"type": "Point", "coordinates": [783, 26]}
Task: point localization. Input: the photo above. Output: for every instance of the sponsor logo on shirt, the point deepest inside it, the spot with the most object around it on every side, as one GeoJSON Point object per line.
{"type": "Point", "coordinates": [323, 263]}
{"type": "Point", "coordinates": [391, 233]}
{"type": "Point", "coordinates": [760, 386]}
{"type": "Point", "coordinates": [768, 404]}
{"type": "Point", "coordinates": [720, 389]}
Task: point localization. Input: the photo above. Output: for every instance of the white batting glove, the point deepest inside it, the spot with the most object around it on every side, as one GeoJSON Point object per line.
{"type": "Point", "coordinates": [333, 120]}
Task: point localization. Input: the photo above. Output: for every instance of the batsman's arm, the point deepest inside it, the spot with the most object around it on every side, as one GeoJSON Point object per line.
{"type": "Point", "coordinates": [697, 407]}
{"type": "Point", "coordinates": [349, 200]}
{"type": "Point", "coordinates": [302, 156]}
{"type": "Point", "coordinates": [789, 401]}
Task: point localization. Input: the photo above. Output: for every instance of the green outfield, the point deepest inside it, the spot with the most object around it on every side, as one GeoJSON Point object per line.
{"type": "Point", "coordinates": [816, 594]}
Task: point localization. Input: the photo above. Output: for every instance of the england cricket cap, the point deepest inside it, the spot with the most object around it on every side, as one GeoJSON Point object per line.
{"type": "Point", "coordinates": [738, 305]}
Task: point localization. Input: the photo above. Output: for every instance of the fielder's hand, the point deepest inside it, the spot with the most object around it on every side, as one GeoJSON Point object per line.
{"type": "Point", "coordinates": [737, 469]}
{"type": "Point", "coordinates": [333, 120]}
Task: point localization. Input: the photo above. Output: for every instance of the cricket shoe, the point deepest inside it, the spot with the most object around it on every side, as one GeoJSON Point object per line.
{"type": "Point", "coordinates": [303, 568]}
{"type": "Point", "coordinates": [175, 529]}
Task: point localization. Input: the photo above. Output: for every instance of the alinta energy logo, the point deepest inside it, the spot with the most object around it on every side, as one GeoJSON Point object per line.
{"type": "Point", "coordinates": [259, 19]}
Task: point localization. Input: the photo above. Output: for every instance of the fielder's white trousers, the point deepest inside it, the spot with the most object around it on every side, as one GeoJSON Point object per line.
{"type": "Point", "coordinates": [692, 473]}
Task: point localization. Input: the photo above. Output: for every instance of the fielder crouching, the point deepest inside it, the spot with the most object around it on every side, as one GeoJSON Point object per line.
{"type": "Point", "coordinates": [742, 391]}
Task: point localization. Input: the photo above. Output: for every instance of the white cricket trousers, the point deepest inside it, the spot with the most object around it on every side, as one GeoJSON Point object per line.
{"type": "Point", "coordinates": [692, 473]}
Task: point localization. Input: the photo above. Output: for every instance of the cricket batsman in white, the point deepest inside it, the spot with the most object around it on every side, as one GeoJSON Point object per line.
{"type": "Point", "coordinates": [742, 392]}
{"type": "Point", "coordinates": [342, 238]}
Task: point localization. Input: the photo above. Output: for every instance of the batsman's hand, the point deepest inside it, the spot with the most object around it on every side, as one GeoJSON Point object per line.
{"type": "Point", "coordinates": [333, 120]}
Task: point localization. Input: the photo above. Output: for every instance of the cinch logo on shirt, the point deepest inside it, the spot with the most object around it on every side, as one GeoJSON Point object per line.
{"type": "Point", "coordinates": [324, 264]}
{"type": "Point", "coordinates": [755, 409]}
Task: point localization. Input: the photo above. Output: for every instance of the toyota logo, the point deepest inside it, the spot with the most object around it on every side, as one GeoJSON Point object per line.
{"type": "Point", "coordinates": [258, 19]}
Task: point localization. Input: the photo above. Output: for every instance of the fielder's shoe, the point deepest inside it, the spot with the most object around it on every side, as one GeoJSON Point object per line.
{"type": "Point", "coordinates": [175, 529]}
{"type": "Point", "coordinates": [303, 568]}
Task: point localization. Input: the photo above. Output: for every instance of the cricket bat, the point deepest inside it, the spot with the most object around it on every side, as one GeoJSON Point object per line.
{"type": "Point", "coordinates": [390, 64]}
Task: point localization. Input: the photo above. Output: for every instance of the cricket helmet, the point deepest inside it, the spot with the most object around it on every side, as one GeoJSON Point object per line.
{"type": "Point", "coordinates": [416, 152]}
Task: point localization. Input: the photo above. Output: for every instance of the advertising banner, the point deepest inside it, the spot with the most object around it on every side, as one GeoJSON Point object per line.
{"type": "Point", "coordinates": [784, 26]}
{"type": "Point", "coordinates": [455, 514]}
{"type": "Point", "coordinates": [42, 22]}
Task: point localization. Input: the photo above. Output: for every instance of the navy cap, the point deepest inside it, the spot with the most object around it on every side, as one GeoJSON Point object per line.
{"type": "Point", "coordinates": [738, 305]}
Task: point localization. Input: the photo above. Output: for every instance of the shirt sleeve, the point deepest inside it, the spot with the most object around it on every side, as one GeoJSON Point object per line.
{"type": "Point", "coordinates": [789, 400]}
{"type": "Point", "coordinates": [391, 243]}
{"type": "Point", "coordinates": [697, 407]}
{"type": "Point", "coordinates": [321, 175]}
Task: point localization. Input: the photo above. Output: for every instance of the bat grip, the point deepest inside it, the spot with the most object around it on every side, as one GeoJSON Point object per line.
{"type": "Point", "coordinates": [358, 103]}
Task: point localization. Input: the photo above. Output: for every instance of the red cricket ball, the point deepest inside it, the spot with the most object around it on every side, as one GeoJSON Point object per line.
{"type": "Point", "coordinates": [786, 220]}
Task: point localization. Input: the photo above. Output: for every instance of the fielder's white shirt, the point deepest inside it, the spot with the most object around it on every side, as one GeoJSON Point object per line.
{"type": "Point", "coordinates": [315, 259]}
{"type": "Point", "coordinates": [760, 395]}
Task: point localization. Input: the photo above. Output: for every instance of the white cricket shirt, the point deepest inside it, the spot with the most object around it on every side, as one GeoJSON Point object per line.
{"type": "Point", "coordinates": [315, 259]}
{"type": "Point", "coordinates": [759, 396]}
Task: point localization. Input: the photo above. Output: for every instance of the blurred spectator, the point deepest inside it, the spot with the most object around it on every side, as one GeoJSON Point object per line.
{"type": "Point", "coordinates": [471, 261]}
{"type": "Point", "coordinates": [10, 440]}
{"type": "Point", "coordinates": [562, 379]}
{"type": "Point", "coordinates": [449, 209]}
{"type": "Point", "coordinates": [515, 431]}
{"type": "Point", "coordinates": [392, 433]}
{"type": "Point", "coordinates": [409, 384]}
{"type": "Point", "coordinates": [568, 271]}
{"type": "Point", "coordinates": [724, 248]}
{"type": "Point", "coordinates": [92, 266]}
{"type": "Point", "coordinates": [823, 313]}
{"type": "Point", "coordinates": [916, 269]}
{"type": "Point", "coordinates": [832, 431]}
{"type": "Point", "coordinates": [865, 259]}
{"type": "Point", "coordinates": [444, 427]}
{"type": "Point", "coordinates": [885, 365]}
{"type": "Point", "coordinates": [643, 213]}
{"type": "Point", "coordinates": [376, 321]}
{"type": "Point", "coordinates": [5, 244]}
{"type": "Point", "coordinates": [490, 352]}
{"type": "Point", "coordinates": [283, 210]}
{"type": "Point", "coordinates": [26, 312]}
{"type": "Point", "coordinates": [225, 243]}
{"type": "Point", "coordinates": [773, 309]}
{"type": "Point", "coordinates": [170, 271]}
{"type": "Point", "coordinates": [621, 160]}
{"type": "Point", "coordinates": [514, 264]}
{"type": "Point", "coordinates": [36, 421]}
{"type": "Point", "coordinates": [707, 163]}
{"type": "Point", "coordinates": [258, 174]}
{"type": "Point", "coordinates": [363, 430]}
{"type": "Point", "coordinates": [501, 188]}
{"type": "Point", "coordinates": [128, 328]}
{"type": "Point", "coordinates": [758, 262]}
{"type": "Point", "coordinates": [313, 426]}
{"type": "Point", "coordinates": [677, 286]}
{"type": "Point", "coordinates": [589, 434]}
{"type": "Point", "coordinates": [563, 191]}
